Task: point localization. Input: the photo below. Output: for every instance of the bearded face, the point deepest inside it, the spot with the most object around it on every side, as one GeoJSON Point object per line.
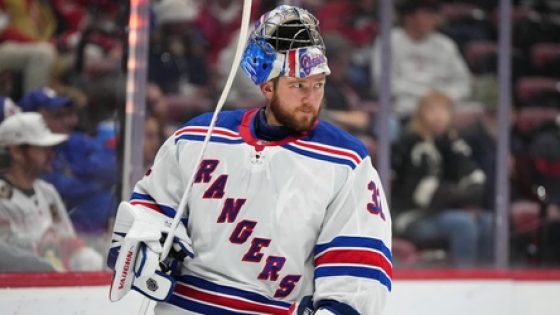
{"type": "Point", "coordinates": [300, 119]}
{"type": "Point", "coordinates": [35, 161]}
{"type": "Point", "coordinates": [296, 103]}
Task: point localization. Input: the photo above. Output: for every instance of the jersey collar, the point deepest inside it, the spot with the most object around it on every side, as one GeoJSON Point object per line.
{"type": "Point", "coordinates": [247, 132]}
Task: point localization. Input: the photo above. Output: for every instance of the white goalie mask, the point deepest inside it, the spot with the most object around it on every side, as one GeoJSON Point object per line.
{"type": "Point", "coordinates": [285, 41]}
{"type": "Point", "coordinates": [287, 27]}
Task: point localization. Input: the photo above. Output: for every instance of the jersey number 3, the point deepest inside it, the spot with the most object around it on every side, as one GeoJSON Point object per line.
{"type": "Point", "coordinates": [375, 207]}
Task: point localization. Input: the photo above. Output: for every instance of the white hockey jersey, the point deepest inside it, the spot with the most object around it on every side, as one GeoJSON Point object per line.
{"type": "Point", "coordinates": [29, 220]}
{"type": "Point", "coordinates": [272, 222]}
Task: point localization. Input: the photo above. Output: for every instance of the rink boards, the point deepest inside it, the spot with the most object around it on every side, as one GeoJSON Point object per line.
{"type": "Point", "coordinates": [414, 292]}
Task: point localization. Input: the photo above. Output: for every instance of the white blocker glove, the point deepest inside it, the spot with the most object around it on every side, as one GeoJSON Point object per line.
{"type": "Point", "coordinates": [139, 232]}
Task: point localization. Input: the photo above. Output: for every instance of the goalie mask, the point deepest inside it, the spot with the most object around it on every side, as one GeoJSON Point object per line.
{"type": "Point", "coordinates": [285, 42]}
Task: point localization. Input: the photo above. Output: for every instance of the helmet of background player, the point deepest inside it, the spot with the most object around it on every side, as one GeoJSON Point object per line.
{"type": "Point", "coordinates": [285, 42]}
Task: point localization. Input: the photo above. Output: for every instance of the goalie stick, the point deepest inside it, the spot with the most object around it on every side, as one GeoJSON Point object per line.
{"type": "Point", "coordinates": [243, 33]}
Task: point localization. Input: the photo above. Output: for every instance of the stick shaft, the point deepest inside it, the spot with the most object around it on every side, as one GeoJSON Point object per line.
{"type": "Point", "coordinates": [236, 60]}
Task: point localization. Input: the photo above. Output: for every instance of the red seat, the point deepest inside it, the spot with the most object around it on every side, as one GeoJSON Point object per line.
{"type": "Point", "coordinates": [461, 11]}
{"type": "Point", "coordinates": [538, 91]}
{"type": "Point", "coordinates": [527, 26]}
{"type": "Point", "coordinates": [529, 118]}
{"type": "Point", "coordinates": [524, 216]}
{"type": "Point", "coordinates": [545, 58]}
{"type": "Point", "coordinates": [465, 22]}
{"type": "Point", "coordinates": [481, 56]}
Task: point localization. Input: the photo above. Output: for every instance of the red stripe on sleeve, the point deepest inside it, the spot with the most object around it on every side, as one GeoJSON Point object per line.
{"type": "Point", "coordinates": [149, 205]}
{"type": "Point", "coordinates": [362, 257]}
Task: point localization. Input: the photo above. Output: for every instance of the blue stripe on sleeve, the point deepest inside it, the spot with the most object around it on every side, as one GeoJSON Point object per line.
{"type": "Point", "coordinates": [361, 272]}
{"type": "Point", "coordinates": [140, 196]}
{"type": "Point", "coordinates": [168, 211]}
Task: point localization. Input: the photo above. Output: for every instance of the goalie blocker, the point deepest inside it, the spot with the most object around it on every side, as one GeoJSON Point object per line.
{"type": "Point", "coordinates": [137, 243]}
{"type": "Point", "coordinates": [135, 250]}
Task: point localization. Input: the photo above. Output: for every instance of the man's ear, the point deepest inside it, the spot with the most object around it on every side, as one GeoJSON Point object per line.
{"type": "Point", "coordinates": [267, 89]}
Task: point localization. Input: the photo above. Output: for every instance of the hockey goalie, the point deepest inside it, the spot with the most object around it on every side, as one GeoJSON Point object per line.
{"type": "Point", "coordinates": [285, 214]}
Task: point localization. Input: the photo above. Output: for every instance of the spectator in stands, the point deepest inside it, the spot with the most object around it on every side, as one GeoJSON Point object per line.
{"type": "Point", "coordinates": [84, 172]}
{"type": "Point", "coordinates": [422, 59]}
{"type": "Point", "coordinates": [93, 63]}
{"type": "Point", "coordinates": [243, 92]}
{"type": "Point", "coordinates": [32, 215]}
{"type": "Point", "coordinates": [344, 105]}
{"type": "Point", "coordinates": [24, 41]}
{"type": "Point", "coordinates": [545, 156]}
{"type": "Point", "coordinates": [13, 258]}
{"type": "Point", "coordinates": [480, 133]}
{"type": "Point", "coordinates": [158, 107]}
{"type": "Point", "coordinates": [438, 189]}
{"type": "Point", "coordinates": [218, 20]}
{"type": "Point", "coordinates": [178, 59]}
{"type": "Point", "coordinates": [90, 40]}
{"type": "Point", "coordinates": [71, 17]}
{"type": "Point", "coordinates": [354, 19]}
{"type": "Point", "coordinates": [153, 139]}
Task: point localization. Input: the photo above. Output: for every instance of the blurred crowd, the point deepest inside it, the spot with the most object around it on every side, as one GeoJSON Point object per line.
{"type": "Point", "coordinates": [62, 78]}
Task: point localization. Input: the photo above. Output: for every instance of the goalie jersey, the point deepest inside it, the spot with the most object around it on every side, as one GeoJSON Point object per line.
{"type": "Point", "coordinates": [272, 222]}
